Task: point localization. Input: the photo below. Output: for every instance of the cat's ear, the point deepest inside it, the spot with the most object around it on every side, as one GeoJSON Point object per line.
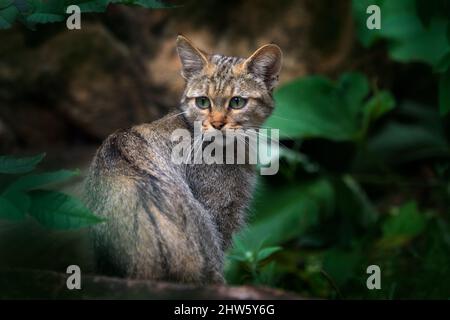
{"type": "Point", "coordinates": [192, 59]}
{"type": "Point", "coordinates": [265, 63]}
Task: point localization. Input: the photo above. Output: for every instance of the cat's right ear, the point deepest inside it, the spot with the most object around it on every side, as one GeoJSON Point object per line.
{"type": "Point", "coordinates": [192, 59]}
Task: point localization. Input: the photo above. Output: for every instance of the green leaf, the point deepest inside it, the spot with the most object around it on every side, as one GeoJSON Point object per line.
{"type": "Point", "coordinates": [419, 135]}
{"type": "Point", "coordinates": [47, 11]}
{"type": "Point", "coordinates": [285, 213]}
{"type": "Point", "coordinates": [5, 3]}
{"type": "Point", "coordinates": [444, 93]}
{"type": "Point", "coordinates": [18, 198]}
{"type": "Point", "coordinates": [443, 65]}
{"type": "Point", "coordinates": [353, 87]}
{"type": "Point", "coordinates": [341, 265]}
{"type": "Point", "coordinates": [12, 165]}
{"type": "Point", "coordinates": [8, 16]}
{"type": "Point", "coordinates": [237, 258]}
{"type": "Point", "coordinates": [34, 181]}
{"type": "Point", "coordinates": [411, 35]}
{"type": "Point", "coordinates": [405, 223]}
{"type": "Point", "coordinates": [316, 107]}
{"type": "Point", "coordinates": [9, 211]}
{"type": "Point", "coordinates": [56, 210]}
{"type": "Point", "coordinates": [381, 103]}
{"type": "Point", "coordinates": [266, 252]}
{"type": "Point", "coordinates": [45, 17]}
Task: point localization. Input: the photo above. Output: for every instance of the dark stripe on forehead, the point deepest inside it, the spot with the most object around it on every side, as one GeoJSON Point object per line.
{"type": "Point", "coordinates": [225, 62]}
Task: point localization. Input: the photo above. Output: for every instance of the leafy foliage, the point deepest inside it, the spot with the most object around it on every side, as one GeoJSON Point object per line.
{"type": "Point", "coordinates": [415, 31]}
{"type": "Point", "coordinates": [12, 165]}
{"type": "Point", "coordinates": [32, 12]}
{"type": "Point", "coordinates": [23, 195]}
{"type": "Point", "coordinates": [335, 110]}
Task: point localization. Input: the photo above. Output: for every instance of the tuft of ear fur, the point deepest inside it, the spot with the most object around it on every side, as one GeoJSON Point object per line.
{"type": "Point", "coordinates": [265, 63]}
{"type": "Point", "coordinates": [192, 59]}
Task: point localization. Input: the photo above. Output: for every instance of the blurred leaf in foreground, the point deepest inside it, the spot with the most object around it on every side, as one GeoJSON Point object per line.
{"type": "Point", "coordinates": [405, 223]}
{"type": "Point", "coordinates": [316, 107]}
{"type": "Point", "coordinates": [12, 165]}
{"type": "Point", "coordinates": [23, 195]}
{"type": "Point", "coordinates": [9, 211]}
{"type": "Point", "coordinates": [60, 211]}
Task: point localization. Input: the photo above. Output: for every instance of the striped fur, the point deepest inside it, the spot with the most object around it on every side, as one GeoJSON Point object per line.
{"type": "Point", "coordinates": [173, 222]}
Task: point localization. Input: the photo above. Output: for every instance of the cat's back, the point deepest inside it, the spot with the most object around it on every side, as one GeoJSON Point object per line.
{"type": "Point", "coordinates": [128, 150]}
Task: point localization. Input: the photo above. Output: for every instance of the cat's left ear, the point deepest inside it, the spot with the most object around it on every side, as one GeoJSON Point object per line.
{"type": "Point", "coordinates": [266, 63]}
{"type": "Point", "coordinates": [192, 59]}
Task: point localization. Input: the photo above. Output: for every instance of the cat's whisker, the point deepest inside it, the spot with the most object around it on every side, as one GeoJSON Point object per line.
{"type": "Point", "coordinates": [261, 134]}
{"type": "Point", "coordinates": [177, 114]}
{"type": "Point", "coordinates": [188, 158]}
{"type": "Point", "coordinates": [270, 128]}
{"type": "Point", "coordinates": [199, 144]}
{"type": "Point", "coordinates": [242, 137]}
{"type": "Point", "coordinates": [275, 116]}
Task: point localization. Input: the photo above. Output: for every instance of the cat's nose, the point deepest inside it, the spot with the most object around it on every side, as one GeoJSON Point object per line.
{"type": "Point", "coordinates": [218, 124]}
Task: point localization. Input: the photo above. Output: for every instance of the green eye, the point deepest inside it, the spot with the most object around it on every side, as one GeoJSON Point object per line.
{"type": "Point", "coordinates": [202, 102]}
{"type": "Point", "coordinates": [238, 102]}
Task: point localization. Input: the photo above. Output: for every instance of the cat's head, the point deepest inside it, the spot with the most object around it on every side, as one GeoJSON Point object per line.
{"type": "Point", "coordinates": [225, 92]}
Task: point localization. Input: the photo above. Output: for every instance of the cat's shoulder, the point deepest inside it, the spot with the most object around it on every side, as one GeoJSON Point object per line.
{"type": "Point", "coordinates": [140, 140]}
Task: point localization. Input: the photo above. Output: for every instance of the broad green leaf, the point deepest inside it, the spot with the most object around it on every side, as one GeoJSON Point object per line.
{"type": "Point", "coordinates": [399, 143]}
{"type": "Point", "coordinates": [411, 35]}
{"type": "Point", "coordinates": [12, 165]}
{"type": "Point", "coordinates": [377, 106]}
{"type": "Point", "coordinates": [443, 65]}
{"type": "Point", "coordinates": [421, 136]}
{"type": "Point", "coordinates": [317, 107]}
{"type": "Point", "coordinates": [353, 87]}
{"type": "Point", "coordinates": [286, 213]}
{"type": "Point", "coordinates": [9, 211]}
{"type": "Point", "coordinates": [5, 3]}
{"type": "Point", "coordinates": [47, 11]}
{"type": "Point", "coordinates": [34, 181]}
{"type": "Point", "coordinates": [237, 258]}
{"type": "Point", "coordinates": [8, 16]}
{"type": "Point", "coordinates": [266, 252]}
{"type": "Point", "coordinates": [405, 223]}
{"type": "Point", "coordinates": [60, 211]}
{"type": "Point", "coordinates": [423, 46]}
{"type": "Point", "coordinates": [18, 198]}
{"type": "Point", "coordinates": [444, 93]}
{"type": "Point", "coordinates": [341, 265]}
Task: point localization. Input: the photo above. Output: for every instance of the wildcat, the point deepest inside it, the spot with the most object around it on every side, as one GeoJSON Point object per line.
{"type": "Point", "coordinates": [174, 222]}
